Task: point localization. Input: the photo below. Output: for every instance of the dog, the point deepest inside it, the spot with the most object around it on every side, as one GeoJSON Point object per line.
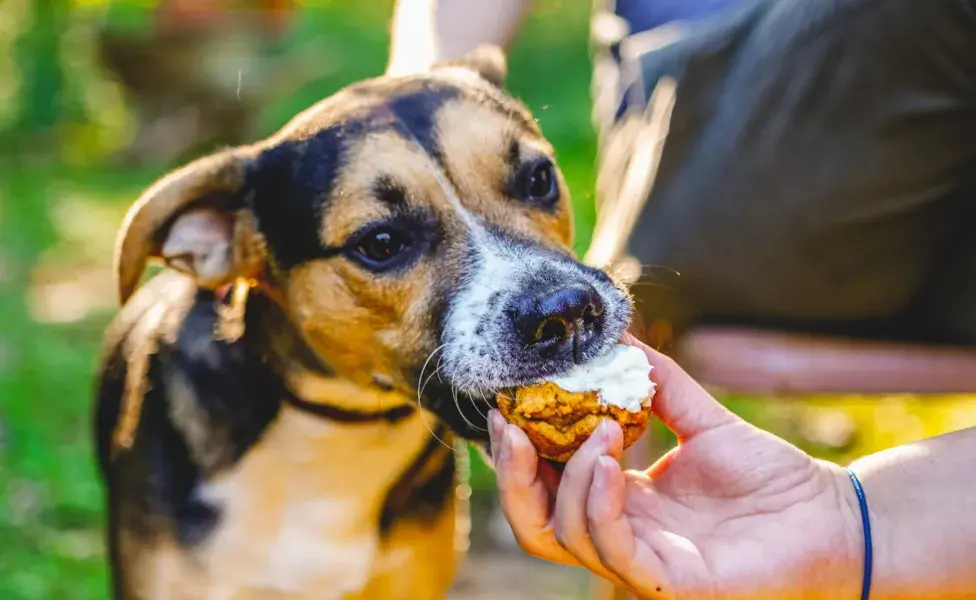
{"type": "Point", "coordinates": [338, 304]}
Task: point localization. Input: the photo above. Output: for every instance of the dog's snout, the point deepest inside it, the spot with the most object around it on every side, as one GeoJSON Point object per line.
{"type": "Point", "coordinates": [555, 317]}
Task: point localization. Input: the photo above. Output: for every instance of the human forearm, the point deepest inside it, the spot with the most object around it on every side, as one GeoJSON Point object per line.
{"type": "Point", "coordinates": [922, 499]}
{"type": "Point", "coordinates": [427, 31]}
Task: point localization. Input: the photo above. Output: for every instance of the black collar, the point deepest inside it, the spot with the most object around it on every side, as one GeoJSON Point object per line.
{"type": "Point", "coordinates": [345, 415]}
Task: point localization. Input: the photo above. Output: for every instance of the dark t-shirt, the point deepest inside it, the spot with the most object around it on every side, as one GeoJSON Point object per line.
{"type": "Point", "coordinates": [820, 170]}
{"type": "Point", "coordinates": [643, 15]}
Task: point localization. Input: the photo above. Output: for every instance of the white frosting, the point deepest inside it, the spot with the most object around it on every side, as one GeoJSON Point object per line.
{"type": "Point", "coordinates": [621, 377]}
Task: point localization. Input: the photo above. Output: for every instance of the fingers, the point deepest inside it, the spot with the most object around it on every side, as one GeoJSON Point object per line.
{"type": "Point", "coordinates": [680, 402]}
{"type": "Point", "coordinates": [569, 517]}
{"type": "Point", "coordinates": [613, 537]}
{"type": "Point", "coordinates": [570, 511]}
{"type": "Point", "coordinates": [527, 487]}
{"type": "Point", "coordinates": [523, 493]}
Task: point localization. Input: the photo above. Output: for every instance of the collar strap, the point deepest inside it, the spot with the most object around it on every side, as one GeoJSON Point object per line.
{"type": "Point", "coordinates": [345, 415]}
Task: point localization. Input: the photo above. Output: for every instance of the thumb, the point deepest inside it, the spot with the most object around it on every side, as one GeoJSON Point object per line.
{"type": "Point", "coordinates": [680, 402]}
{"type": "Point", "coordinates": [614, 539]}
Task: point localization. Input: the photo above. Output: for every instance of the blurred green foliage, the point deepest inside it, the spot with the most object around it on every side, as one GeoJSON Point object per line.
{"type": "Point", "coordinates": [63, 118]}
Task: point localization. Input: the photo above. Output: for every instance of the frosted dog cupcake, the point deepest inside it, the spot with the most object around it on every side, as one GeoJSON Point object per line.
{"type": "Point", "coordinates": [560, 414]}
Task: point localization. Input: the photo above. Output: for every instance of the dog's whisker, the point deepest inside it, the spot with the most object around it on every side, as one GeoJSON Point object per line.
{"type": "Point", "coordinates": [457, 403]}
{"type": "Point", "coordinates": [431, 430]}
{"type": "Point", "coordinates": [424, 368]}
{"type": "Point", "coordinates": [420, 390]}
{"type": "Point", "coordinates": [474, 402]}
{"type": "Point", "coordinates": [655, 284]}
{"type": "Point", "coordinates": [491, 393]}
{"type": "Point", "coordinates": [422, 384]}
{"type": "Point", "coordinates": [436, 371]}
{"type": "Point", "coordinates": [655, 267]}
{"type": "Point", "coordinates": [480, 388]}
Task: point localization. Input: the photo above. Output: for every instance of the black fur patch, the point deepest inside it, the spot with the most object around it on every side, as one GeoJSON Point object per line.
{"type": "Point", "coordinates": [229, 383]}
{"type": "Point", "coordinates": [422, 493]}
{"type": "Point", "coordinates": [228, 390]}
{"type": "Point", "coordinates": [416, 113]}
{"type": "Point", "coordinates": [390, 192]}
{"type": "Point", "coordinates": [288, 187]}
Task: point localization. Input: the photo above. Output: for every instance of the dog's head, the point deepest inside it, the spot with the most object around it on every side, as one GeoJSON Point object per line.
{"type": "Point", "coordinates": [416, 228]}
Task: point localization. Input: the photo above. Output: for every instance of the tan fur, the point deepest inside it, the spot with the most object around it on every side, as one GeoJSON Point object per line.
{"type": "Point", "coordinates": [342, 308]}
{"type": "Point", "coordinates": [300, 524]}
{"type": "Point", "coordinates": [476, 142]}
{"type": "Point", "coordinates": [135, 384]}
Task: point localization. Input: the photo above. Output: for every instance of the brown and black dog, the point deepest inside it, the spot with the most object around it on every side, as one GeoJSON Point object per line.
{"type": "Point", "coordinates": [341, 298]}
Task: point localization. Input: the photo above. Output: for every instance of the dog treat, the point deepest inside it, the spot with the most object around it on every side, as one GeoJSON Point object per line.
{"type": "Point", "coordinates": [559, 415]}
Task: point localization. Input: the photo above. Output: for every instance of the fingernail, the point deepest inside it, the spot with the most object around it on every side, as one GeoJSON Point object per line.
{"type": "Point", "coordinates": [493, 423]}
{"type": "Point", "coordinates": [506, 446]}
{"type": "Point", "coordinates": [604, 430]}
{"type": "Point", "coordinates": [602, 475]}
{"type": "Point", "coordinates": [615, 437]}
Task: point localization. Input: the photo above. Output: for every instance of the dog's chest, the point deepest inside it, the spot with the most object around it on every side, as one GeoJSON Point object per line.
{"type": "Point", "coordinates": [300, 513]}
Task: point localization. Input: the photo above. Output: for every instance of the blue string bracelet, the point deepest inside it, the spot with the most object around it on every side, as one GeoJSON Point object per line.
{"type": "Point", "coordinates": [866, 525]}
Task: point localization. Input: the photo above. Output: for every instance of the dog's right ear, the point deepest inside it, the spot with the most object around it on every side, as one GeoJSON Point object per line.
{"type": "Point", "coordinates": [196, 221]}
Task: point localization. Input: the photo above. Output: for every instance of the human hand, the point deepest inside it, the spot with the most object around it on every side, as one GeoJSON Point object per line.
{"type": "Point", "coordinates": [732, 512]}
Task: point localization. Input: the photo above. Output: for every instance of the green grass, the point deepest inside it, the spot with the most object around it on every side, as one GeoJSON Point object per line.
{"type": "Point", "coordinates": [56, 228]}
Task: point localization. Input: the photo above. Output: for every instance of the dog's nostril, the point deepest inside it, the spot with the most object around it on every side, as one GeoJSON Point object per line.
{"type": "Point", "coordinates": [556, 315]}
{"type": "Point", "coordinates": [554, 329]}
{"type": "Point", "coordinates": [592, 313]}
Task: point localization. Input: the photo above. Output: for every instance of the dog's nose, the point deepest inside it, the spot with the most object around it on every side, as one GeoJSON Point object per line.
{"type": "Point", "coordinates": [554, 317]}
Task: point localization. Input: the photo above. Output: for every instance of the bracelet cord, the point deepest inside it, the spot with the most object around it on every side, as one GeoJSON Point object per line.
{"type": "Point", "coordinates": [866, 526]}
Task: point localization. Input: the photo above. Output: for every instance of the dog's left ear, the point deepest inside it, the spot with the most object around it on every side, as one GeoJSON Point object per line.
{"type": "Point", "coordinates": [488, 61]}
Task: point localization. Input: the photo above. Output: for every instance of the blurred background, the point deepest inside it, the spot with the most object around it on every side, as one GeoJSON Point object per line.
{"type": "Point", "coordinates": [100, 97]}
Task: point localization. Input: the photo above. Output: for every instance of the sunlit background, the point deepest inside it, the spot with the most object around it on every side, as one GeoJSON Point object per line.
{"type": "Point", "coordinates": [98, 98]}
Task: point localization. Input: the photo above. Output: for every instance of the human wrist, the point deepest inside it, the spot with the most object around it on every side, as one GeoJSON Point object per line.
{"type": "Point", "coordinates": [894, 576]}
{"type": "Point", "coordinates": [860, 524]}
{"type": "Point", "coordinates": [831, 565]}
{"type": "Point", "coordinates": [897, 574]}
{"type": "Point", "coordinates": [840, 572]}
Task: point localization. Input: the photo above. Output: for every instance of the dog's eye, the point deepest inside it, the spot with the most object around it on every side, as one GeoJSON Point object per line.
{"type": "Point", "coordinates": [381, 245]}
{"type": "Point", "coordinates": [538, 183]}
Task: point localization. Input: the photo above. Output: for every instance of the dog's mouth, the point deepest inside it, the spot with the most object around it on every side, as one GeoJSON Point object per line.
{"type": "Point", "coordinates": [463, 403]}
{"type": "Point", "coordinates": [465, 410]}
{"type": "Point", "coordinates": [466, 413]}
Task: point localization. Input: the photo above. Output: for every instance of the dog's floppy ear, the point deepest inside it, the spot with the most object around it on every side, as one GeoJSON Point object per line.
{"type": "Point", "coordinates": [488, 61]}
{"type": "Point", "coordinates": [194, 219]}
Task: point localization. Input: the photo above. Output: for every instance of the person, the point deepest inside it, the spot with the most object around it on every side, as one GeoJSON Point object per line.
{"type": "Point", "coordinates": [734, 512]}
{"type": "Point", "coordinates": [802, 166]}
